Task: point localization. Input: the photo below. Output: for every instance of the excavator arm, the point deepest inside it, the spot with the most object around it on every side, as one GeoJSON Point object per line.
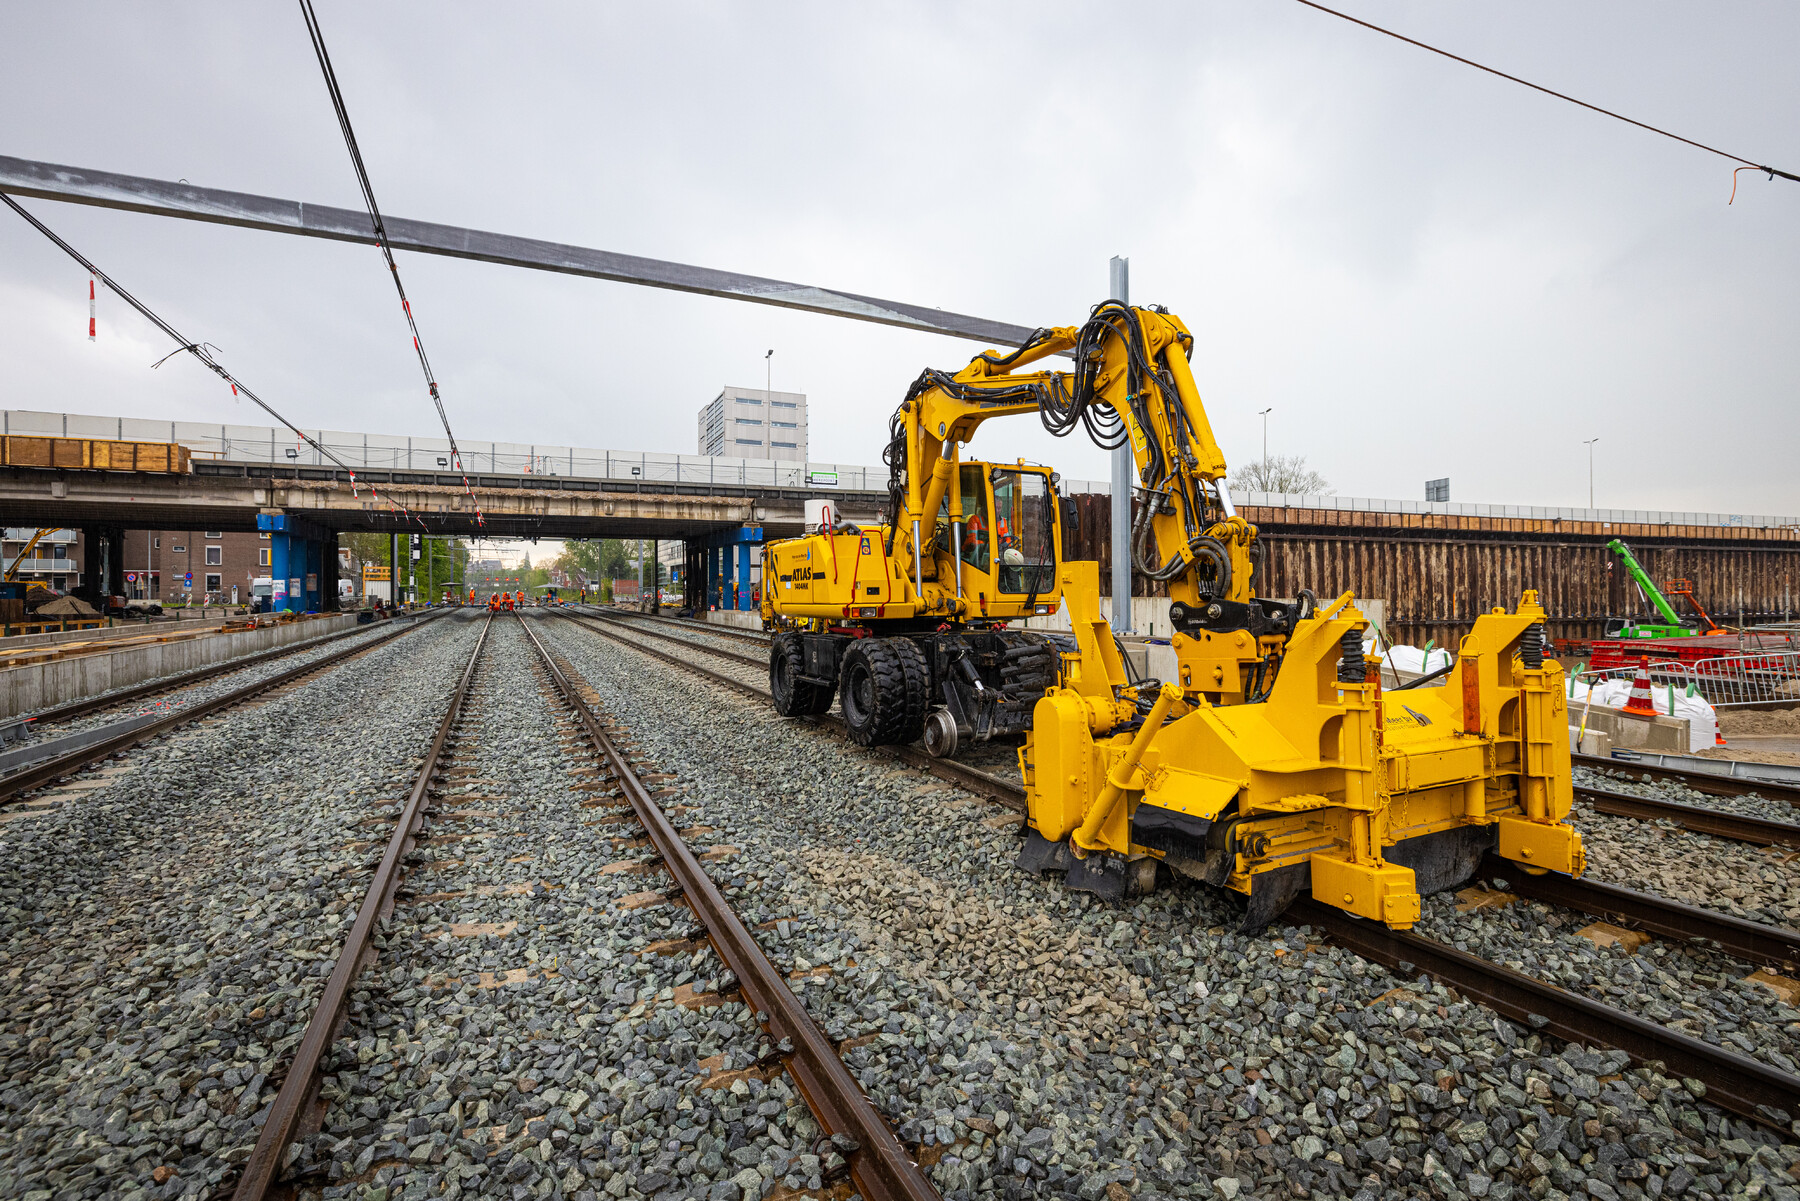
{"type": "Point", "coordinates": [1131, 382]}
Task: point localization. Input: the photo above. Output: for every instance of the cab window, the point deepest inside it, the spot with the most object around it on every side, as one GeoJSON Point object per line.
{"type": "Point", "coordinates": [1023, 513]}
{"type": "Point", "coordinates": [974, 547]}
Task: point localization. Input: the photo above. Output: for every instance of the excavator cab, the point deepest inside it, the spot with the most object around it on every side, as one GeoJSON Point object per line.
{"type": "Point", "coordinates": [997, 539]}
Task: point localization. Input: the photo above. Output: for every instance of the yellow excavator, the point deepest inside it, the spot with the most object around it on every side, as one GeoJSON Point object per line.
{"type": "Point", "coordinates": [1273, 764]}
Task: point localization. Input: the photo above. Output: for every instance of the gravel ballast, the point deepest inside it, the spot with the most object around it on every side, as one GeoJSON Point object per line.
{"type": "Point", "coordinates": [1035, 1043]}
{"type": "Point", "coordinates": [541, 1023]}
{"type": "Point", "coordinates": [169, 917]}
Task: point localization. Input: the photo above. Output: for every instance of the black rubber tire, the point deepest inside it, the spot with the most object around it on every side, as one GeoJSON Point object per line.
{"type": "Point", "coordinates": [793, 696]}
{"type": "Point", "coordinates": [884, 690]}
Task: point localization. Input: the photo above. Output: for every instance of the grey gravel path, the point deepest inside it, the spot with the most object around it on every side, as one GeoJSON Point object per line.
{"type": "Point", "coordinates": [1035, 1043]}
{"type": "Point", "coordinates": [166, 920]}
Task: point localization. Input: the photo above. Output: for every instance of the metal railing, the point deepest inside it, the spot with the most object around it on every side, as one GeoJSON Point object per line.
{"type": "Point", "coordinates": [1725, 681]}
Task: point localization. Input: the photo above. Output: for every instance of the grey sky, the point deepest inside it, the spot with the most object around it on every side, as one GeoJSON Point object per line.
{"type": "Point", "coordinates": [1425, 270]}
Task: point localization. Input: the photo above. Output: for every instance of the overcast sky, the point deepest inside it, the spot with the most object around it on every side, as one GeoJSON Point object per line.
{"type": "Point", "coordinates": [1424, 270]}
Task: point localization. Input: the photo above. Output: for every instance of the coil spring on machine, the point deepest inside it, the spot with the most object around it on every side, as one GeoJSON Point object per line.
{"type": "Point", "coordinates": [1351, 668]}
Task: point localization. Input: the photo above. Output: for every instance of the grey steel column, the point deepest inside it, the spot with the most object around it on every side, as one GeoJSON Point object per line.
{"type": "Point", "coordinates": [1123, 469]}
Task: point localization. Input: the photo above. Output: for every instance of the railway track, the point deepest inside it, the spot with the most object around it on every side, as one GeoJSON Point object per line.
{"type": "Point", "coordinates": [300, 1087]}
{"type": "Point", "coordinates": [686, 623]}
{"type": "Point", "coordinates": [186, 679]}
{"type": "Point", "coordinates": [877, 1165]}
{"type": "Point", "coordinates": [972, 778]}
{"type": "Point", "coordinates": [1702, 782]}
{"type": "Point", "coordinates": [1721, 823]}
{"type": "Point", "coordinates": [1737, 1083]}
{"type": "Point", "coordinates": [33, 776]}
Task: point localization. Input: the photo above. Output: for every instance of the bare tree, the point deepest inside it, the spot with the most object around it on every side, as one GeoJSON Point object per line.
{"type": "Point", "coordinates": [1281, 473]}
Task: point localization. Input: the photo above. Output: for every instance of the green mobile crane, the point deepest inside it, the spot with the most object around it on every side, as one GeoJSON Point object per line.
{"type": "Point", "coordinates": [1673, 624]}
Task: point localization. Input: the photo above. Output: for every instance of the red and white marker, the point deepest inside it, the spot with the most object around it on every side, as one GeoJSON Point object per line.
{"type": "Point", "coordinates": [90, 308]}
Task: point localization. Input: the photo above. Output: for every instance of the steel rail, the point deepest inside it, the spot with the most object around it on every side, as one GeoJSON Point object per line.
{"type": "Point", "coordinates": [1699, 781]}
{"type": "Point", "coordinates": [685, 623]}
{"type": "Point", "coordinates": [1718, 822]}
{"type": "Point", "coordinates": [1753, 942]}
{"type": "Point", "coordinates": [879, 1166]}
{"type": "Point", "coordinates": [760, 662]}
{"type": "Point", "coordinates": [297, 1089]}
{"type": "Point", "coordinates": [1734, 1082]}
{"type": "Point", "coordinates": [39, 774]}
{"type": "Point", "coordinates": [166, 683]}
{"type": "Point", "coordinates": [949, 770]}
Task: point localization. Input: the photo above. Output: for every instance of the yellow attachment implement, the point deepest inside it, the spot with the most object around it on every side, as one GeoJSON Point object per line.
{"type": "Point", "coordinates": [1328, 785]}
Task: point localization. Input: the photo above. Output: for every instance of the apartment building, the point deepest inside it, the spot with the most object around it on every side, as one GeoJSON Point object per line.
{"type": "Point", "coordinates": [751, 423]}
{"type": "Point", "coordinates": [210, 565]}
{"type": "Point", "coordinates": [55, 560]}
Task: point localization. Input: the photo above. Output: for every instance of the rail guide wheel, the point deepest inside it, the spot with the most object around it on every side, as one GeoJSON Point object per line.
{"type": "Point", "coordinates": [940, 734]}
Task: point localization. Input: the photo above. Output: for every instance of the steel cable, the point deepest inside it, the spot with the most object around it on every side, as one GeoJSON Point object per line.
{"type": "Point", "coordinates": [381, 239]}
{"type": "Point", "coordinates": [1771, 172]}
{"type": "Point", "coordinates": [201, 351]}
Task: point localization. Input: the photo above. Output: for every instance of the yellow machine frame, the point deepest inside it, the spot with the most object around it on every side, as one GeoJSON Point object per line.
{"type": "Point", "coordinates": [1273, 764]}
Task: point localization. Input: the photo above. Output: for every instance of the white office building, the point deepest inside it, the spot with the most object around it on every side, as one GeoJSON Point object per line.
{"type": "Point", "coordinates": [750, 423]}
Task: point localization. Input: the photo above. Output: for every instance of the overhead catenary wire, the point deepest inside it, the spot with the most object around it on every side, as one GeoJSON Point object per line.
{"type": "Point", "coordinates": [200, 350]}
{"type": "Point", "coordinates": [381, 240]}
{"type": "Point", "coordinates": [1771, 172]}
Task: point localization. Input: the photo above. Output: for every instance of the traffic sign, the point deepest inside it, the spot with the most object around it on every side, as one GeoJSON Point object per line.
{"type": "Point", "coordinates": [131, 577]}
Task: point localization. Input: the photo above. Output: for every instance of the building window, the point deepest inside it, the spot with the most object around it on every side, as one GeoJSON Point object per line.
{"type": "Point", "coordinates": [213, 534]}
{"type": "Point", "coordinates": [212, 582]}
{"type": "Point", "coordinates": [784, 404]}
{"type": "Point", "coordinates": [785, 425]}
{"type": "Point", "coordinates": [749, 420]}
{"type": "Point", "coordinates": [60, 583]}
{"type": "Point", "coordinates": [262, 557]}
{"type": "Point", "coordinates": [264, 537]}
{"type": "Point", "coordinates": [59, 551]}
{"type": "Point", "coordinates": [156, 542]}
{"type": "Point", "coordinates": [785, 445]}
{"type": "Point", "coordinates": [748, 400]}
{"type": "Point", "coordinates": [749, 441]}
{"type": "Point", "coordinates": [214, 556]}
{"type": "Point", "coordinates": [177, 550]}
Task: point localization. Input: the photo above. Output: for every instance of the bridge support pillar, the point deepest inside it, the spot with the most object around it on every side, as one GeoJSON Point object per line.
{"type": "Point", "coordinates": [293, 564]}
{"type": "Point", "coordinates": [730, 557]}
{"type": "Point", "coordinates": [280, 569]}
{"type": "Point", "coordinates": [314, 575]}
{"type": "Point", "coordinates": [328, 575]}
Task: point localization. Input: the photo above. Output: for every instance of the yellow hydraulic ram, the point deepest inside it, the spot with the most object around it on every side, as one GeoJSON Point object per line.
{"type": "Point", "coordinates": [1328, 785]}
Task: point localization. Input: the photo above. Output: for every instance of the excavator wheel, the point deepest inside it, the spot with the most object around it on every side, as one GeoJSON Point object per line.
{"type": "Point", "coordinates": [884, 690]}
{"type": "Point", "coordinates": [793, 696]}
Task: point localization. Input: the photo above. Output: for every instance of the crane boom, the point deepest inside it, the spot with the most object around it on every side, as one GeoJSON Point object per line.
{"type": "Point", "coordinates": [1645, 585]}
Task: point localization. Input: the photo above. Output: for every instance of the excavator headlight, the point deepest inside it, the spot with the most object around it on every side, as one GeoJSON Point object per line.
{"type": "Point", "coordinates": [1043, 610]}
{"type": "Point", "coordinates": [867, 613]}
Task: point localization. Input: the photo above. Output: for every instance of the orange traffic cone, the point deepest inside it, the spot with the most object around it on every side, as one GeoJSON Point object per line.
{"type": "Point", "coordinates": [1639, 703]}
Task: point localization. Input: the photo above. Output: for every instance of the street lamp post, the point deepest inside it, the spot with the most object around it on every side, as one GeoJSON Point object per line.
{"type": "Point", "coordinates": [1265, 416]}
{"type": "Point", "coordinates": [768, 374]}
{"type": "Point", "coordinates": [1590, 446]}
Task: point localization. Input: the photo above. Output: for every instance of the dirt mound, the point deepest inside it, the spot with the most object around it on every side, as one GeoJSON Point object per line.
{"type": "Point", "coordinates": [1759, 721]}
{"type": "Point", "coordinates": [67, 606]}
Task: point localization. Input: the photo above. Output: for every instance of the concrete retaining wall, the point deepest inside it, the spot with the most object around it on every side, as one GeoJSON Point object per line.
{"type": "Point", "coordinates": [42, 685]}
